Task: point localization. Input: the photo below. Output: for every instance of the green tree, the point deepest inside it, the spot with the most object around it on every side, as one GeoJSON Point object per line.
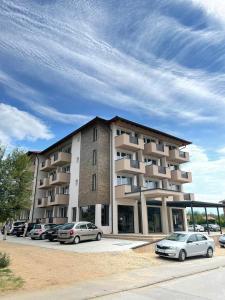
{"type": "Point", "coordinates": [15, 183]}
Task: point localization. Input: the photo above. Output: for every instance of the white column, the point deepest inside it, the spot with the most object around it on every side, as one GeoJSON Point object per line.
{"type": "Point", "coordinates": [165, 227]}
{"type": "Point", "coordinates": [144, 214]}
{"type": "Point", "coordinates": [115, 218]}
{"type": "Point", "coordinates": [171, 229]}
{"type": "Point", "coordinates": [136, 218]}
{"type": "Point", "coordinates": [98, 215]}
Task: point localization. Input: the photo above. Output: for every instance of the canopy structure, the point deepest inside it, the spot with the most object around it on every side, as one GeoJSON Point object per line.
{"type": "Point", "coordinates": [192, 204]}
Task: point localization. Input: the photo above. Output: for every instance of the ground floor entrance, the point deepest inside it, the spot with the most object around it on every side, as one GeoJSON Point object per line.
{"type": "Point", "coordinates": [125, 219]}
{"type": "Point", "coordinates": [154, 219]}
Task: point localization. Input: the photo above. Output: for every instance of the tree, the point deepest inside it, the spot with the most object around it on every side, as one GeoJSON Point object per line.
{"type": "Point", "coordinates": [15, 183]}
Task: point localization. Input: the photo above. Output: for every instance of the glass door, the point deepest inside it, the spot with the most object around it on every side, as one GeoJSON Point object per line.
{"type": "Point", "coordinates": [125, 219]}
{"type": "Point", "coordinates": [178, 219]}
{"type": "Point", "coordinates": [154, 219]}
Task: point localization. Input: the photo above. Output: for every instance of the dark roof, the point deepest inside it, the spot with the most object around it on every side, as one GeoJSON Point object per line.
{"type": "Point", "coordinates": [108, 122]}
{"type": "Point", "coordinates": [116, 118]}
{"type": "Point", "coordinates": [185, 203]}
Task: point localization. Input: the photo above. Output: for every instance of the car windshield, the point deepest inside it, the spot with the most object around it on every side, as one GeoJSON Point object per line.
{"type": "Point", "coordinates": [177, 237]}
{"type": "Point", "coordinates": [18, 223]}
{"type": "Point", "coordinates": [37, 226]}
{"type": "Point", "coordinates": [67, 226]}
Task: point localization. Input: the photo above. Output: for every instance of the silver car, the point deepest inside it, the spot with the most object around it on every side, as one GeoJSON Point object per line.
{"type": "Point", "coordinates": [79, 231]}
{"type": "Point", "coordinates": [38, 232]}
{"type": "Point", "coordinates": [197, 228]}
{"type": "Point", "coordinates": [180, 245]}
{"type": "Point", "coordinates": [222, 241]}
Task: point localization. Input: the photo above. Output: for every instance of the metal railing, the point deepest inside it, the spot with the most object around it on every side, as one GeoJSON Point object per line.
{"type": "Point", "coordinates": [133, 139]}
{"type": "Point", "coordinates": [162, 170]}
{"type": "Point", "coordinates": [182, 154]}
{"type": "Point", "coordinates": [184, 174]}
{"type": "Point", "coordinates": [160, 147]}
{"type": "Point", "coordinates": [134, 164]}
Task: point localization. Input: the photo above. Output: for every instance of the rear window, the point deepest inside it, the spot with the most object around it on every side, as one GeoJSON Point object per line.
{"type": "Point", "coordinates": [67, 226]}
{"type": "Point", "coordinates": [37, 226]}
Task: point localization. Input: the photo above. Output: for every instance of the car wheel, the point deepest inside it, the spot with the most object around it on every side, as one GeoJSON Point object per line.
{"type": "Point", "coordinates": [42, 237]}
{"type": "Point", "coordinates": [209, 253]}
{"type": "Point", "coordinates": [98, 237]}
{"type": "Point", "coordinates": [50, 239]}
{"type": "Point", "coordinates": [76, 240]}
{"type": "Point", "coordinates": [182, 255]}
{"type": "Point", "coordinates": [61, 242]}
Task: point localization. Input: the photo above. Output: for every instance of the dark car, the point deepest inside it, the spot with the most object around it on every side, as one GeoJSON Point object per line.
{"type": "Point", "coordinates": [52, 233]}
{"type": "Point", "coordinates": [19, 230]}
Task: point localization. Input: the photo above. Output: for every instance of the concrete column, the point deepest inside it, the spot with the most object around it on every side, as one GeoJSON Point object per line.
{"type": "Point", "coordinates": [165, 225]}
{"type": "Point", "coordinates": [115, 218]}
{"type": "Point", "coordinates": [136, 218]}
{"type": "Point", "coordinates": [171, 229]}
{"type": "Point", "coordinates": [185, 220]}
{"type": "Point", "coordinates": [144, 214]}
{"type": "Point", "coordinates": [98, 215]}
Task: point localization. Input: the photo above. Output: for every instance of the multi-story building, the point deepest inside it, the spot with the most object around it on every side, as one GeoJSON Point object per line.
{"type": "Point", "coordinates": [121, 175]}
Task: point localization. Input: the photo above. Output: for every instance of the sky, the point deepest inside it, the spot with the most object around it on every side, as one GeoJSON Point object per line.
{"type": "Point", "coordinates": [158, 62]}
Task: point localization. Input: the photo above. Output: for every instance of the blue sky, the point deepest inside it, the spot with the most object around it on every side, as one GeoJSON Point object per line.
{"type": "Point", "coordinates": [160, 63]}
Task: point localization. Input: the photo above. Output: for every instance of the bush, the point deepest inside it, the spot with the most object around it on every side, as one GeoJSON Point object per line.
{"type": "Point", "coordinates": [4, 260]}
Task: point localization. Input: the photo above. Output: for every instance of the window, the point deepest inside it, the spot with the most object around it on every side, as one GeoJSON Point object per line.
{"type": "Point", "coordinates": [95, 134]}
{"type": "Point", "coordinates": [91, 226]}
{"type": "Point", "coordinates": [149, 161]}
{"type": "Point", "coordinates": [124, 180]}
{"type": "Point", "coordinates": [94, 157]}
{"type": "Point", "coordinates": [119, 132]}
{"type": "Point", "coordinates": [123, 155]}
{"type": "Point", "coordinates": [94, 182]}
{"type": "Point", "coordinates": [192, 238]}
{"type": "Point", "coordinates": [201, 237]}
{"type": "Point", "coordinates": [65, 190]}
{"type": "Point", "coordinates": [148, 140]}
{"type": "Point", "coordinates": [87, 213]}
{"type": "Point", "coordinates": [74, 213]}
{"type": "Point", "coordinates": [83, 226]}
{"type": "Point", "coordinates": [151, 184]}
{"type": "Point", "coordinates": [63, 212]}
{"type": "Point", "coordinates": [105, 215]}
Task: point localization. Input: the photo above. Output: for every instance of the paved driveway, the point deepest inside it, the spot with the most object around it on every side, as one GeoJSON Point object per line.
{"type": "Point", "coordinates": [105, 245]}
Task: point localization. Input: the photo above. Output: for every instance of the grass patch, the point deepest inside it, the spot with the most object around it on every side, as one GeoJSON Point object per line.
{"type": "Point", "coordinates": [8, 281]}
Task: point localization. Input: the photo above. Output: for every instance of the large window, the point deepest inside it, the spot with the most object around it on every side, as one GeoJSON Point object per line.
{"type": "Point", "coordinates": [120, 155]}
{"type": "Point", "coordinates": [62, 212]}
{"type": "Point", "coordinates": [74, 213]}
{"type": "Point", "coordinates": [87, 213]}
{"type": "Point", "coordinates": [124, 180]}
{"type": "Point", "coordinates": [94, 182]}
{"type": "Point", "coordinates": [105, 215]}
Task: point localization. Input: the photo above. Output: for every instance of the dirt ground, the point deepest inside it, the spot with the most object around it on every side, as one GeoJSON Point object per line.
{"type": "Point", "coordinates": [42, 268]}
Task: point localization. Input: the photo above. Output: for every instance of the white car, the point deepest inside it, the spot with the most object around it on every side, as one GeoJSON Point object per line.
{"type": "Point", "coordinates": [198, 227]}
{"type": "Point", "coordinates": [222, 241]}
{"type": "Point", "coordinates": [180, 245]}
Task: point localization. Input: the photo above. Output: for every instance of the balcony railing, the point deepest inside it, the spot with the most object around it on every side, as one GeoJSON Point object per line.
{"type": "Point", "coordinates": [160, 147]}
{"type": "Point", "coordinates": [134, 164]}
{"type": "Point", "coordinates": [133, 139]}
{"type": "Point", "coordinates": [184, 174]}
{"type": "Point", "coordinates": [182, 154]}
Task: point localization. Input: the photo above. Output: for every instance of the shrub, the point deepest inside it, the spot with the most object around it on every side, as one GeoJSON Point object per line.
{"type": "Point", "coordinates": [4, 260]}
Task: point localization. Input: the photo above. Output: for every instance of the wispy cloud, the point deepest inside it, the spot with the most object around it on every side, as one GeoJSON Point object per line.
{"type": "Point", "coordinates": [19, 125]}
{"type": "Point", "coordinates": [75, 49]}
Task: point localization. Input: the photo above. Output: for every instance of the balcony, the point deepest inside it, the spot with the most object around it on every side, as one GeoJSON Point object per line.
{"type": "Point", "coordinates": [125, 141]}
{"type": "Point", "coordinates": [180, 176]}
{"type": "Point", "coordinates": [129, 166]}
{"type": "Point", "coordinates": [157, 172]}
{"type": "Point", "coordinates": [44, 183]}
{"type": "Point", "coordinates": [157, 150]}
{"type": "Point", "coordinates": [60, 159]}
{"type": "Point", "coordinates": [178, 156]}
{"type": "Point", "coordinates": [127, 191]}
{"type": "Point", "coordinates": [42, 202]}
{"type": "Point", "coordinates": [46, 165]}
{"type": "Point", "coordinates": [58, 199]}
{"type": "Point", "coordinates": [59, 178]}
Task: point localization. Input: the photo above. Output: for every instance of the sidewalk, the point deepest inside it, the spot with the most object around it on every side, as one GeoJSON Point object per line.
{"type": "Point", "coordinates": [125, 281]}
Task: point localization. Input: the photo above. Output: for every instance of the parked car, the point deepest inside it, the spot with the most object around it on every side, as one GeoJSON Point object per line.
{"type": "Point", "coordinates": [19, 230]}
{"type": "Point", "coordinates": [79, 231]}
{"type": "Point", "coordinates": [197, 227]}
{"type": "Point", "coordinates": [222, 241]}
{"type": "Point", "coordinates": [180, 245]}
{"type": "Point", "coordinates": [52, 233]}
{"type": "Point", "coordinates": [211, 227]}
{"type": "Point", "coordinates": [39, 230]}
{"type": "Point", "coordinates": [15, 225]}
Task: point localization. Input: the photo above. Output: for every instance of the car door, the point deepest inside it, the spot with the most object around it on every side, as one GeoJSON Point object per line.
{"type": "Point", "coordinates": [192, 246]}
{"type": "Point", "coordinates": [92, 230]}
{"type": "Point", "coordinates": [203, 243]}
{"type": "Point", "coordinates": [83, 232]}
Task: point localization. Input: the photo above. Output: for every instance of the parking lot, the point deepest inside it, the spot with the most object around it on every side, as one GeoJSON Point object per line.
{"type": "Point", "coordinates": [105, 245]}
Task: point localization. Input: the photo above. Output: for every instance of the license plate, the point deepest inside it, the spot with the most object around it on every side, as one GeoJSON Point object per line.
{"type": "Point", "coordinates": [161, 250]}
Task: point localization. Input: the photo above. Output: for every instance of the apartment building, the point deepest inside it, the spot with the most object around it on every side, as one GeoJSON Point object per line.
{"type": "Point", "coordinates": [123, 176]}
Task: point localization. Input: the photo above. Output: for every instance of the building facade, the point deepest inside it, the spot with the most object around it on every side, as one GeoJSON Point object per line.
{"type": "Point", "coordinates": [118, 174]}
